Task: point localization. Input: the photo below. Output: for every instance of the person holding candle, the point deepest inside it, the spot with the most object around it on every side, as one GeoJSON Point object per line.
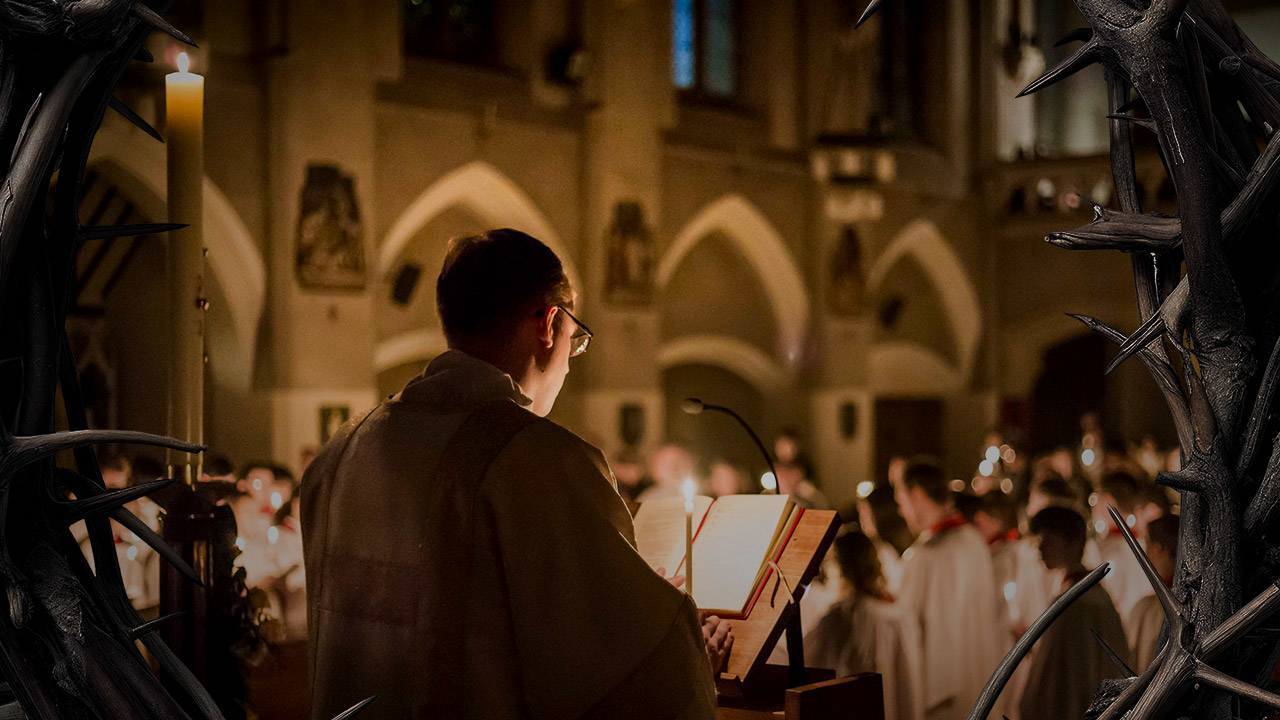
{"type": "Point", "coordinates": [467, 557]}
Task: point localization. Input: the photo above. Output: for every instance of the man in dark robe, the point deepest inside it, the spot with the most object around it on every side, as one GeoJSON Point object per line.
{"type": "Point", "coordinates": [467, 557]}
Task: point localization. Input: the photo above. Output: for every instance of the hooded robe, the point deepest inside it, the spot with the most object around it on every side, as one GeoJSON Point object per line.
{"type": "Point", "coordinates": [509, 588]}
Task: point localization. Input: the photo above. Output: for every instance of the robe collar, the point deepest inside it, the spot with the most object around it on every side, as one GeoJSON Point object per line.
{"type": "Point", "coordinates": [946, 524]}
{"type": "Point", "coordinates": [458, 380]}
{"type": "Point", "coordinates": [1011, 536]}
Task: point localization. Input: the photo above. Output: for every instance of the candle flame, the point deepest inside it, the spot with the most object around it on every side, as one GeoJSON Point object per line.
{"type": "Point", "coordinates": [689, 488]}
{"type": "Point", "coordinates": [184, 62]}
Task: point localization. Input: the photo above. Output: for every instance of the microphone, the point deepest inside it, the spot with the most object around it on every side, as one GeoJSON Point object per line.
{"type": "Point", "coordinates": [695, 406]}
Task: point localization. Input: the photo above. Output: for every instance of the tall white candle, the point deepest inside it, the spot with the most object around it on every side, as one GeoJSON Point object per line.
{"type": "Point", "coordinates": [184, 131]}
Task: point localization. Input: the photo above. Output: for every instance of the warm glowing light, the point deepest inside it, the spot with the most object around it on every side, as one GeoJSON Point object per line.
{"type": "Point", "coordinates": [1131, 520]}
{"type": "Point", "coordinates": [257, 484]}
{"type": "Point", "coordinates": [993, 455]}
{"type": "Point", "coordinates": [1093, 499]}
{"type": "Point", "coordinates": [1006, 486]}
{"type": "Point", "coordinates": [986, 467]}
{"type": "Point", "coordinates": [865, 487]}
{"type": "Point", "coordinates": [957, 485]}
{"type": "Point", "coordinates": [1100, 526]}
{"type": "Point", "coordinates": [273, 534]}
{"type": "Point", "coordinates": [1088, 456]}
{"type": "Point", "coordinates": [132, 552]}
{"type": "Point", "coordinates": [1010, 591]}
{"type": "Point", "coordinates": [689, 488]}
{"type": "Point", "coordinates": [184, 62]}
{"type": "Point", "coordinates": [241, 544]}
{"type": "Point", "coordinates": [276, 500]}
{"type": "Point", "coordinates": [768, 481]}
{"type": "Point", "coordinates": [1007, 454]}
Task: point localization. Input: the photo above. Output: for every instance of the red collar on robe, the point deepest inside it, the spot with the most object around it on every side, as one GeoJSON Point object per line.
{"type": "Point", "coordinates": [949, 522]}
{"type": "Point", "coordinates": [1011, 536]}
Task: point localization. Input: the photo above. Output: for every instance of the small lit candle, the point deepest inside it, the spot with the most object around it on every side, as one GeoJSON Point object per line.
{"type": "Point", "coordinates": [276, 500]}
{"type": "Point", "coordinates": [769, 482]}
{"type": "Point", "coordinates": [689, 489]}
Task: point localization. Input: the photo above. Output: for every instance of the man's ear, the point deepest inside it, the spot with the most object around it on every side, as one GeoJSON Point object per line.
{"type": "Point", "coordinates": [547, 326]}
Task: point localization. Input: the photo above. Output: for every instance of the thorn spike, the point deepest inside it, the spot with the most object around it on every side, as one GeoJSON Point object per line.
{"type": "Point", "coordinates": [107, 232]}
{"type": "Point", "coordinates": [152, 18]}
{"type": "Point", "coordinates": [872, 8]}
{"type": "Point", "coordinates": [128, 114]}
{"type": "Point", "coordinates": [153, 625]}
{"type": "Point", "coordinates": [354, 709]}
{"type": "Point", "coordinates": [1172, 613]}
{"type": "Point", "coordinates": [1082, 58]}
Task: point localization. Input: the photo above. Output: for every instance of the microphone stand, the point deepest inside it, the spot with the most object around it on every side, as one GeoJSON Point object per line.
{"type": "Point", "coordinates": [794, 632]}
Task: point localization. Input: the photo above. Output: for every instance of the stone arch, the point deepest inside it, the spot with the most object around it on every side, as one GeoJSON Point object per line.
{"type": "Point", "coordinates": [483, 190]}
{"type": "Point", "coordinates": [136, 163]}
{"type": "Point", "coordinates": [921, 240]}
{"type": "Point", "coordinates": [742, 359]}
{"type": "Point", "coordinates": [751, 233]}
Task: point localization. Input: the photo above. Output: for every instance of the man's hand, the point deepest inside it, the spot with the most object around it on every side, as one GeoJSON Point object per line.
{"type": "Point", "coordinates": [677, 581]}
{"type": "Point", "coordinates": [719, 640]}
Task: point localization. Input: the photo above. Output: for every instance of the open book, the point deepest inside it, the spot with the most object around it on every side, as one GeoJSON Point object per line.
{"type": "Point", "coordinates": [735, 539]}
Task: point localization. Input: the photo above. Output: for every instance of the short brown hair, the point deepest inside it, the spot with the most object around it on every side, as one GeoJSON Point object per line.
{"type": "Point", "coordinates": [489, 280]}
{"type": "Point", "coordinates": [926, 473]}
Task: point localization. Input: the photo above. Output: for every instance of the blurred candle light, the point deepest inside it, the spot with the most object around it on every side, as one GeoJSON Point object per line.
{"type": "Point", "coordinates": [276, 500]}
{"type": "Point", "coordinates": [769, 482]}
{"type": "Point", "coordinates": [865, 488]}
{"type": "Point", "coordinates": [993, 455]}
{"type": "Point", "coordinates": [132, 552]}
{"type": "Point", "coordinates": [1006, 486]}
{"type": "Point", "coordinates": [986, 467]}
{"type": "Point", "coordinates": [273, 534]}
{"type": "Point", "coordinates": [1088, 456]}
{"type": "Point", "coordinates": [241, 544]}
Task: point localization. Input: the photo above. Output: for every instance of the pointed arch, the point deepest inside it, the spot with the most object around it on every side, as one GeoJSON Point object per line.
{"type": "Point", "coordinates": [136, 162]}
{"type": "Point", "coordinates": [764, 249]}
{"type": "Point", "coordinates": [922, 241]}
{"type": "Point", "coordinates": [742, 359]}
{"type": "Point", "coordinates": [484, 191]}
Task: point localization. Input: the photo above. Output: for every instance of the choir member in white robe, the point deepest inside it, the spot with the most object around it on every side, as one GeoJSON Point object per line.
{"type": "Point", "coordinates": [1126, 582]}
{"type": "Point", "coordinates": [1067, 663]}
{"type": "Point", "coordinates": [949, 586]}
{"type": "Point", "coordinates": [1021, 577]}
{"type": "Point", "coordinates": [1146, 621]}
{"type": "Point", "coordinates": [865, 631]}
{"type": "Point", "coordinates": [872, 512]}
{"type": "Point", "coordinates": [467, 557]}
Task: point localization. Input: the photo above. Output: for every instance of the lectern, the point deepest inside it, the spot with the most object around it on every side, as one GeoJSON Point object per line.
{"type": "Point", "coordinates": [751, 689]}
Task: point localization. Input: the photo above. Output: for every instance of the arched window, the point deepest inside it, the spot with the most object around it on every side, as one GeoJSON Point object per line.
{"type": "Point", "coordinates": [704, 44]}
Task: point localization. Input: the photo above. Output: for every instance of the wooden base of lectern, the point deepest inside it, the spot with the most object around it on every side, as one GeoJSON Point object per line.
{"type": "Point", "coordinates": [751, 689]}
{"type": "Point", "coordinates": [857, 697]}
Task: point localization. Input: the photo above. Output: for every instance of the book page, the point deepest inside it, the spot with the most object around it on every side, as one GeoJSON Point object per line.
{"type": "Point", "coordinates": [659, 526]}
{"type": "Point", "coordinates": [731, 549]}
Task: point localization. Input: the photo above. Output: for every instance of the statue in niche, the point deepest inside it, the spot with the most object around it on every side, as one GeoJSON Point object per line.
{"type": "Point", "coordinates": [629, 279]}
{"type": "Point", "coordinates": [847, 283]}
{"type": "Point", "coordinates": [330, 253]}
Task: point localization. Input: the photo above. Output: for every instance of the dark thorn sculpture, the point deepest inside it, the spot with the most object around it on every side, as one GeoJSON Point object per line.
{"type": "Point", "coordinates": [1208, 296]}
{"type": "Point", "coordinates": [1112, 655]}
{"type": "Point", "coordinates": [134, 118]}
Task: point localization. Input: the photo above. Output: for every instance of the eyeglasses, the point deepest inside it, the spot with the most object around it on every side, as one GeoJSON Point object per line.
{"type": "Point", "coordinates": [581, 338]}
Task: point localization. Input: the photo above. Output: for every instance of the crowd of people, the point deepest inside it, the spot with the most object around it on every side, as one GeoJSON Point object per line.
{"type": "Point", "coordinates": [932, 578]}
{"type": "Point", "coordinates": [930, 581]}
{"type": "Point", "coordinates": [264, 500]}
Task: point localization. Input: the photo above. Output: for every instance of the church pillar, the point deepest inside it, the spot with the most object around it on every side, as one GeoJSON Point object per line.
{"type": "Point", "coordinates": [321, 111]}
{"type": "Point", "coordinates": [631, 92]}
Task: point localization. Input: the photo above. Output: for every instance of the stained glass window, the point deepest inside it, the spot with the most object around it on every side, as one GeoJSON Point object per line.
{"type": "Point", "coordinates": [704, 47]}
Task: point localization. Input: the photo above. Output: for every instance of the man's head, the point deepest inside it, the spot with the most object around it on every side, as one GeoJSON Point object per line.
{"type": "Point", "coordinates": [504, 298]}
{"type": "Point", "coordinates": [922, 494]}
{"type": "Point", "coordinates": [116, 470]}
{"type": "Point", "coordinates": [786, 447]}
{"type": "Point", "coordinates": [995, 515]}
{"type": "Point", "coordinates": [1050, 491]}
{"type": "Point", "coordinates": [1162, 545]}
{"type": "Point", "coordinates": [1119, 489]}
{"type": "Point", "coordinates": [1062, 536]}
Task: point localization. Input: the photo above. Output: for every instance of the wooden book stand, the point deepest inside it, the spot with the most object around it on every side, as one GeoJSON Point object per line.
{"type": "Point", "coordinates": [749, 688]}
